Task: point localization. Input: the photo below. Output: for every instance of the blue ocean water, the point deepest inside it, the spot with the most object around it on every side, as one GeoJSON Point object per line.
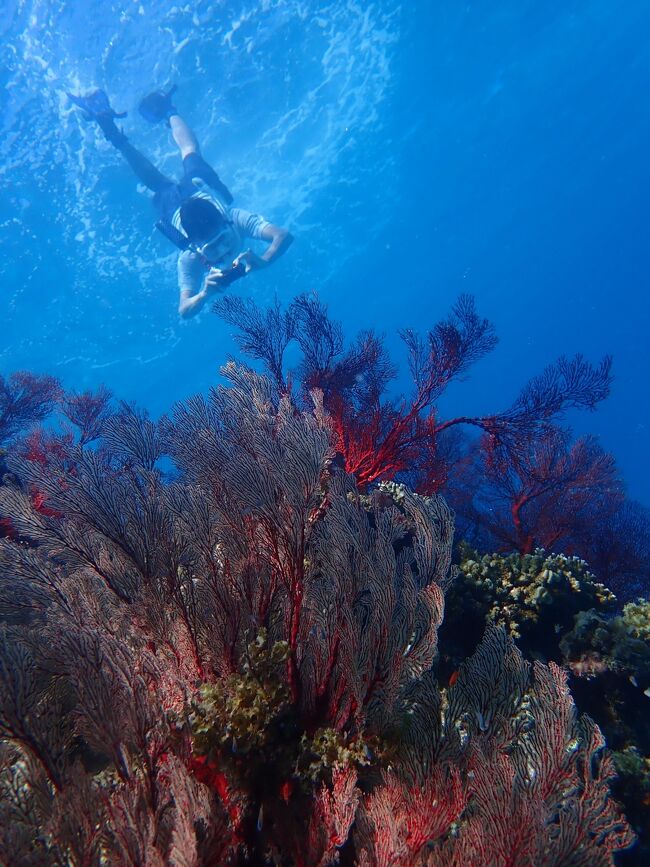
{"type": "Point", "coordinates": [415, 150]}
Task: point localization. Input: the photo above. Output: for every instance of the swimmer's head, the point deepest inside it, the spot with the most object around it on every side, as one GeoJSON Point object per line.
{"type": "Point", "coordinates": [201, 220]}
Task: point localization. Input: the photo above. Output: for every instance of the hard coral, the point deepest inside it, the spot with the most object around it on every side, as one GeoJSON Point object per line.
{"type": "Point", "coordinates": [621, 642]}
{"type": "Point", "coordinates": [535, 596]}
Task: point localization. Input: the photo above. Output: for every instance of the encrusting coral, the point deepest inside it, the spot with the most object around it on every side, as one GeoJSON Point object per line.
{"type": "Point", "coordinates": [240, 710]}
{"type": "Point", "coordinates": [232, 664]}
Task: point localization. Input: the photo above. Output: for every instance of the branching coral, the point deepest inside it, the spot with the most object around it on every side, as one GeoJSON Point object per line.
{"type": "Point", "coordinates": [619, 550]}
{"type": "Point", "coordinates": [25, 399]}
{"type": "Point", "coordinates": [545, 493]}
{"type": "Point", "coordinates": [521, 751]}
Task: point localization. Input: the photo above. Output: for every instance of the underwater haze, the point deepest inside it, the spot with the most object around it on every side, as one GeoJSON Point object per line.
{"type": "Point", "coordinates": [415, 150]}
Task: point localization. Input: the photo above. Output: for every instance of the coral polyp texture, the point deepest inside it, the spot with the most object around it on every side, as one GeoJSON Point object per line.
{"type": "Point", "coordinates": [217, 650]}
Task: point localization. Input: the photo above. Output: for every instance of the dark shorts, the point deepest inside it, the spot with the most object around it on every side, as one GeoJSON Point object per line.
{"type": "Point", "coordinates": [169, 199]}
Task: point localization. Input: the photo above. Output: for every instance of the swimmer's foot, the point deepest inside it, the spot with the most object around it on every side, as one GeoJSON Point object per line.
{"type": "Point", "coordinates": [158, 106]}
{"type": "Point", "coordinates": [95, 106]}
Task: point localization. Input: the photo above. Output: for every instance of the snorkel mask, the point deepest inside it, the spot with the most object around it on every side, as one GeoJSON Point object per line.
{"type": "Point", "coordinates": [208, 229]}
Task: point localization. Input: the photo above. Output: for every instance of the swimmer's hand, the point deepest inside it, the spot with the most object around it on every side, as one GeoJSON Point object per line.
{"type": "Point", "coordinates": [251, 261]}
{"type": "Point", "coordinates": [217, 280]}
{"type": "Point", "coordinates": [214, 281]}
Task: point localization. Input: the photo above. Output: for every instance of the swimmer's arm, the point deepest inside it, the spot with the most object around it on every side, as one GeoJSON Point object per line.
{"type": "Point", "coordinates": [280, 241]}
{"type": "Point", "coordinates": [193, 291]}
{"type": "Point", "coordinates": [189, 305]}
{"type": "Point", "coordinates": [191, 301]}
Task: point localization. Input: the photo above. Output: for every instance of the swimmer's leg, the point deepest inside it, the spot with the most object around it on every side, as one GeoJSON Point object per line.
{"type": "Point", "coordinates": [97, 107]}
{"type": "Point", "coordinates": [157, 107]}
{"type": "Point", "coordinates": [142, 167]}
{"type": "Point", "coordinates": [193, 163]}
{"type": "Point", "coordinates": [184, 137]}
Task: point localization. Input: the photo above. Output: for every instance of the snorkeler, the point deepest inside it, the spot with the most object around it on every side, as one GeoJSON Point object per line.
{"type": "Point", "coordinates": [195, 212]}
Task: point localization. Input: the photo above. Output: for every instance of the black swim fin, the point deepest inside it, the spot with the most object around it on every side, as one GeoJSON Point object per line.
{"type": "Point", "coordinates": [95, 105]}
{"type": "Point", "coordinates": [158, 106]}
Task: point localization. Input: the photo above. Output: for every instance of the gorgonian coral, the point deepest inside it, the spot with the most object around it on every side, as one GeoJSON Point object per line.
{"type": "Point", "coordinates": [379, 437]}
{"type": "Point", "coordinates": [516, 480]}
{"type": "Point", "coordinates": [232, 663]}
{"type": "Point", "coordinates": [25, 398]}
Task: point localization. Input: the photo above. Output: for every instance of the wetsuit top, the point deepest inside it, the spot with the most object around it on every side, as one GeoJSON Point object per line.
{"type": "Point", "coordinates": [240, 224]}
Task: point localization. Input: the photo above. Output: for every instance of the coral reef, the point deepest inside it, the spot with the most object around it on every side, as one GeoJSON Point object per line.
{"type": "Point", "coordinates": [556, 610]}
{"type": "Point", "coordinates": [232, 663]}
{"type": "Point", "coordinates": [609, 660]}
{"type": "Point", "coordinates": [515, 479]}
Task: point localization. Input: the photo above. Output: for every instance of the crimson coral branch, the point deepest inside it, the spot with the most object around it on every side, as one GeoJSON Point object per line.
{"type": "Point", "coordinates": [379, 438]}
{"type": "Point", "coordinates": [544, 494]}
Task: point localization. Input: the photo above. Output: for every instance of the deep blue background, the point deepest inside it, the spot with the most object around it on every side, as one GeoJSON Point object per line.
{"type": "Point", "coordinates": [417, 151]}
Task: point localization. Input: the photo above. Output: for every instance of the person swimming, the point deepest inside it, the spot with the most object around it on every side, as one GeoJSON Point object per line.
{"type": "Point", "coordinates": [195, 213]}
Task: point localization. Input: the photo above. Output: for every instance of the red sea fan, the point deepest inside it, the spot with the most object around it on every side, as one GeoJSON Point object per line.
{"type": "Point", "coordinates": [547, 493]}
{"type": "Point", "coordinates": [25, 399]}
{"type": "Point", "coordinates": [377, 437]}
{"type": "Point", "coordinates": [88, 412]}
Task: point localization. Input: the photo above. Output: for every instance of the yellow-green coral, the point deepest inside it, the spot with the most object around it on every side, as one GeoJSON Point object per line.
{"type": "Point", "coordinates": [394, 490]}
{"type": "Point", "coordinates": [250, 714]}
{"type": "Point", "coordinates": [636, 616]}
{"type": "Point", "coordinates": [239, 710]}
{"type": "Point", "coordinates": [330, 749]}
{"type": "Point", "coordinates": [630, 763]}
{"type": "Point", "coordinates": [633, 787]}
{"type": "Point", "coordinates": [620, 643]}
{"type": "Point", "coordinates": [389, 491]}
{"type": "Point", "coordinates": [518, 590]}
